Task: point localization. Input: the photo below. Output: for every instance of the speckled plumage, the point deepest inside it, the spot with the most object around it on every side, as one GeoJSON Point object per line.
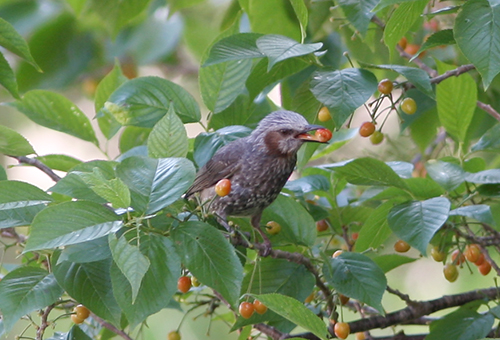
{"type": "Point", "coordinates": [258, 166]}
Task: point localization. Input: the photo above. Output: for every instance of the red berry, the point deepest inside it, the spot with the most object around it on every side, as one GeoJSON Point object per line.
{"type": "Point", "coordinates": [366, 129]}
{"type": "Point", "coordinates": [184, 284]}
{"type": "Point", "coordinates": [259, 307]}
{"type": "Point", "coordinates": [246, 309]}
{"type": "Point", "coordinates": [401, 246]}
{"type": "Point", "coordinates": [457, 257]}
{"type": "Point", "coordinates": [324, 114]}
{"type": "Point", "coordinates": [342, 330]}
{"type": "Point", "coordinates": [385, 86]}
{"type": "Point", "coordinates": [409, 106]}
{"type": "Point", "coordinates": [485, 268]}
{"type": "Point", "coordinates": [223, 187]}
{"type": "Point", "coordinates": [480, 260]}
{"type": "Point", "coordinates": [321, 225]}
{"type": "Point", "coordinates": [323, 135]}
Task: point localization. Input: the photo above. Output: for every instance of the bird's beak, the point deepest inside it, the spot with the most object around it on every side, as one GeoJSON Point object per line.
{"type": "Point", "coordinates": [305, 136]}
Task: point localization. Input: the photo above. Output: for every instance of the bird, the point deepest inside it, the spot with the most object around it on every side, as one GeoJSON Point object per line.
{"type": "Point", "coordinates": [258, 167]}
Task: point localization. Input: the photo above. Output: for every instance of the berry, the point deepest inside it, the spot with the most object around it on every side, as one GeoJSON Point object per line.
{"type": "Point", "coordinates": [450, 272]}
{"type": "Point", "coordinates": [437, 255]}
{"type": "Point", "coordinates": [273, 228]}
{"type": "Point", "coordinates": [412, 49]}
{"type": "Point", "coordinates": [472, 253]}
{"type": "Point", "coordinates": [485, 268]}
{"type": "Point", "coordinates": [324, 114]}
{"type": "Point", "coordinates": [401, 246]}
{"type": "Point", "coordinates": [360, 336]}
{"type": "Point", "coordinates": [366, 129]}
{"type": "Point", "coordinates": [321, 225]}
{"type": "Point", "coordinates": [223, 187]}
{"type": "Point", "coordinates": [174, 335]}
{"type": "Point", "coordinates": [246, 309]}
{"type": "Point", "coordinates": [323, 135]}
{"type": "Point", "coordinates": [403, 42]}
{"type": "Point", "coordinates": [82, 312]}
{"type": "Point", "coordinates": [259, 307]}
{"type": "Point", "coordinates": [342, 330]}
{"type": "Point", "coordinates": [184, 284]}
{"type": "Point", "coordinates": [409, 106]}
{"type": "Point", "coordinates": [309, 298]}
{"type": "Point", "coordinates": [377, 137]}
{"type": "Point", "coordinates": [457, 257]}
{"type": "Point", "coordinates": [195, 282]}
{"type": "Point", "coordinates": [480, 260]}
{"type": "Point", "coordinates": [343, 299]}
{"type": "Point", "coordinates": [337, 253]}
{"type": "Point", "coordinates": [76, 319]}
{"type": "Point", "coordinates": [354, 236]}
{"type": "Point", "coordinates": [385, 86]}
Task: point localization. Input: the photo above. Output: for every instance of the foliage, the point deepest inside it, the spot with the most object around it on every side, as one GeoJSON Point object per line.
{"type": "Point", "coordinates": [116, 234]}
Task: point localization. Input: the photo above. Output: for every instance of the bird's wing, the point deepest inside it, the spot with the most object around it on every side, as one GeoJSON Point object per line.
{"type": "Point", "coordinates": [223, 164]}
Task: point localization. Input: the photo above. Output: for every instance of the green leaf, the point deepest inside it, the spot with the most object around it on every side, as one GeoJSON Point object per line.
{"type": "Point", "coordinates": [90, 285]}
{"type": "Point", "coordinates": [357, 276]}
{"type": "Point", "coordinates": [308, 184]}
{"type": "Point", "coordinates": [416, 76]}
{"type": "Point", "coordinates": [25, 290]}
{"type": "Point", "coordinates": [343, 91]}
{"type": "Point", "coordinates": [298, 226]}
{"type": "Point", "coordinates": [296, 312]}
{"type": "Point", "coordinates": [463, 324]}
{"type": "Point", "coordinates": [359, 13]}
{"type": "Point", "coordinates": [20, 202]}
{"type": "Point", "coordinates": [456, 102]}
{"type": "Point", "coordinates": [376, 229]}
{"type": "Point", "coordinates": [59, 162]}
{"type": "Point", "coordinates": [448, 175]}
{"type": "Point", "coordinates": [440, 38]}
{"type": "Point", "coordinates": [155, 183]}
{"type": "Point", "coordinates": [56, 112]}
{"type": "Point", "coordinates": [401, 20]}
{"type": "Point", "coordinates": [370, 171]}
{"type": "Point", "coordinates": [13, 143]}
{"type": "Point", "coordinates": [302, 14]}
{"type": "Point", "coordinates": [154, 294]}
{"type": "Point", "coordinates": [133, 136]}
{"type": "Point", "coordinates": [210, 258]}
{"type": "Point", "coordinates": [107, 123]}
{"type": "Point", "coordinates": [477, 32]}
{"type": "Point", "coordinates": [70, 223]}
{"type": "Point", "coordinates": [235, 47]}
{"type": "Point", "coordinates": [278, 48]}
{"type": "Point", "coordinates": [144, 101]}
{"type": "Point", "coordinates": [220, 84]}
{"type": "Point", "coordinates": [480, 212]}
{"type": "Point", "coordinates": [3, 174]}
{"type": "Point", "coordinates": [416, 222]}
{"type": "Point", "coordinates": [384, 3]}
{"type": "Point", "coordinates": [489, 141]}
{"type": "Point", "coordinates": [112, 190]}
{"type": "Point", "coordinates": [15, 43]}
{"type": "Point", "coordinates": [90, 251]}
{"type": "Point", "coordinates": [115, 14]}
{"type": "Point", "coordinates": [390, 261]}
{"type": "Point", "coordinates": [131, 262]}
{"type": "Point", "coordinates": [168, 137]}
{"type": "Point", "coordinates": [424, 188]}
{"type": "Point", "coordinates": [339, 139]}
{"type": "Point", "coordinates": [7, 77]}
{"type": "Point", "coordinates": [491, 176]}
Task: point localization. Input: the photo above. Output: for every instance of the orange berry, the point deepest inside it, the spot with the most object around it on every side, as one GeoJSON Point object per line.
{"type": "Point", "coordinates": [174, 335]}
{"type": "Point", "coordinates": [409, 106]}
{"type": "Point", "coordinates": [360, 336]}
{"type": "Point", "coordinates": [450, 272]}
{"type": "Point", "coordinates": [401, 246]}
{"type": "Point", "coordinates": [485, 268]}
{"type": "Point", "coordinates": [342, 330]}
{"type": "Point", "coordinates": [437, 255]}
{"type": "Point", "coordinates": [321, 225]}
{"type": "Point", "coordinates": [309, 298]}
{"type": "Point", "coordinates": [403, 42]}
{"type": "Point", "coordinates": [385, 86]}
{"type": "Point", "coordinates": [323, 135]}
{"type": "Point", "coordinates": [457, 257]}
{"type": "Point", "coordinates": [184, 284]}
{"type": "Point", "coordinates": [472, 253]}
{"type": "Point", "coordinates": [411, 49]}
{"type": "Point", "coordinates": [246, 309]}
{"type": "Point", "coordinates": [343, 299]}
{"type": "Point", "coordinates": [223, 187]}
{"type": "Point", "coordinates": [354, 236]}
{"type": "Point", "coordinates": [480, 260]}
{"type": "Point", "coordinates": [324, 114]}
{"type": "Point", "coordinates": [273, 228]}
{"type": "Point", "coordinates": [366, 129]}
{"type": "Point", "coordinates": [76, 319]}
{"type": "Point", "coordinates": [337, 253]}
{"type": "Point", "coordinates": [82, 312]}
{"type": "Point", "coordinates": [259, 307]}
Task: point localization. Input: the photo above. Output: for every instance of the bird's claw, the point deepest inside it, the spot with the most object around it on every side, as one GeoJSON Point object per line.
{"type": "Point", "coordinates": [266, 249]}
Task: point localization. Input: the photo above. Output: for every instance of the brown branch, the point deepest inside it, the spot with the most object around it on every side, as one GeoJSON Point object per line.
{"type": "Point", "coordinates": [404, 297]}
{"type": "Point", "coordinates": [489, 110]}
{"type": "Point", "coordinates": [44, 323]}
{"type": "Point", "coordinates": [112, 328]}
{"type": "Point", "coordinates": [37, 164]}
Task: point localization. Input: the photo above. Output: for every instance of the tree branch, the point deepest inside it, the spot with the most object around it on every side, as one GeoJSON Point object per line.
{"type": "Point", "coordinates": [37, 164]}
{"type": "Point", "coordinates": [112, 328]}
{"type": "Point", "coordinates": [44, 322]}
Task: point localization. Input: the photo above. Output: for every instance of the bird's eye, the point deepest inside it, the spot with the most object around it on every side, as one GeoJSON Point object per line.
{"type": "Point", "coordinates": [286, 132]}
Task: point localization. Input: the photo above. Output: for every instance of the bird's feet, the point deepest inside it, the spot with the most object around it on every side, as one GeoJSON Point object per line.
{"type": "Point", "coordinates": [266, 244]}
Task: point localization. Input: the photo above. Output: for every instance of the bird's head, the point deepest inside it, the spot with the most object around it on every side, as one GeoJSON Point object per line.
{"type": "Point", "coordinates": [283, 132]}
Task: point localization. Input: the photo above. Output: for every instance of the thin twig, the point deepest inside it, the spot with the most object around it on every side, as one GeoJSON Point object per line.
{"type": "Point", "coordinates": [112, 328]}
{"type": "Point", "coordinates": [44, 322]}
{"type": "Point", "coordinates": [36, 163]}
